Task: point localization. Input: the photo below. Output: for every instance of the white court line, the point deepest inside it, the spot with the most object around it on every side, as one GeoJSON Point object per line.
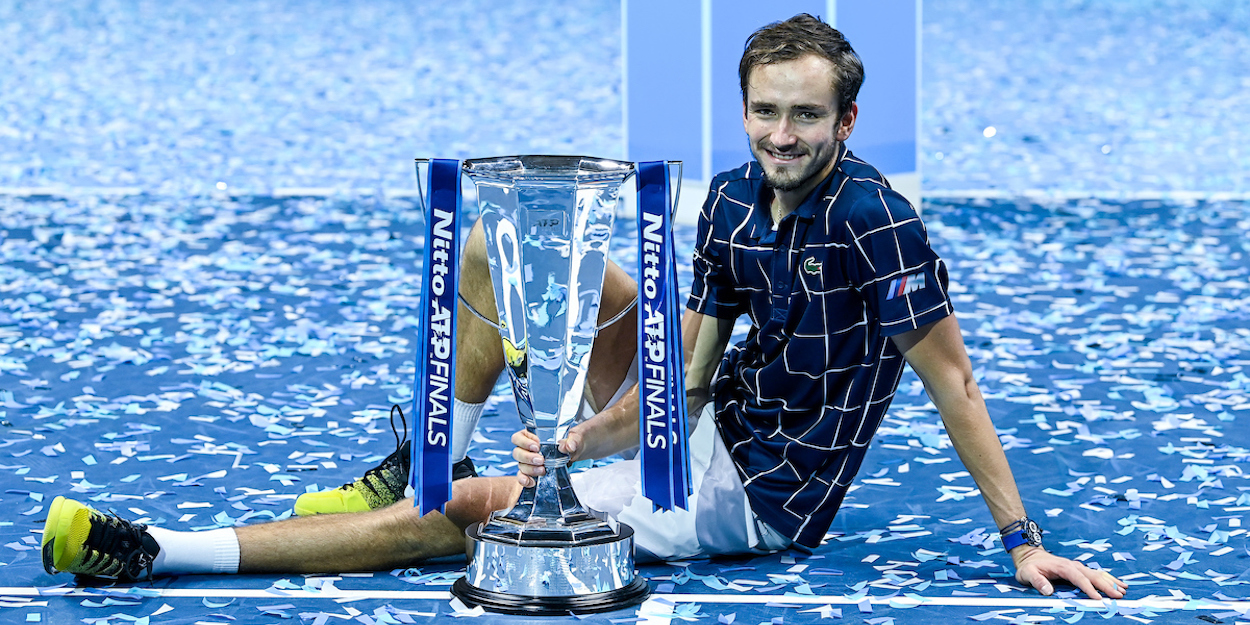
{"type": "Point", "coordinates": [797, 600]}
{"type": "Point", "coordinates": [224, 593]}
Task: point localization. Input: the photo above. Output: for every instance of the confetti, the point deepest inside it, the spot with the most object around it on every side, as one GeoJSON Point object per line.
{"type": "Point", "coordinates": [227, 321]}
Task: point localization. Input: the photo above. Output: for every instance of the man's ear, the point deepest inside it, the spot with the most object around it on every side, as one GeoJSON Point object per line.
{"type": "Point", "coordinates": [847, 123]}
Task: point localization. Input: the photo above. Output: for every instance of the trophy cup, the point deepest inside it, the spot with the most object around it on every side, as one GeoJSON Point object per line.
{"type": "Point", "coordinates": [548, 221]}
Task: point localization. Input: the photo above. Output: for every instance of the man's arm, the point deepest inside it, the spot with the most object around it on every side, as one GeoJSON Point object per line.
{"type": "Point", "coordinates": [616, 428]}
{"type": "Point", "coordinates": [704, 339]}
{"type": "Point", "coordinates": [936, 353]}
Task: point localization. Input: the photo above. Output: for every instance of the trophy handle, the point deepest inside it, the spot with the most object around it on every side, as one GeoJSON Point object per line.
{"type": "Point", "coordinates": [418, 162]}
{"type": "Point", "coordinates": [674, 183]}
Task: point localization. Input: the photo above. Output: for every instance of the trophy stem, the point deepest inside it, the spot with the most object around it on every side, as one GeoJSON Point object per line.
{"type": "Point", "coordinates": [549, 511]}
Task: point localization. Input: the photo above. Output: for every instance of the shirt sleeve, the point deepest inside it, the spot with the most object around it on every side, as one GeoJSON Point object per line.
{"type": "Point", "coordinates": [901, 278]}
{"type": "Point", "coordinates": [713, 291]}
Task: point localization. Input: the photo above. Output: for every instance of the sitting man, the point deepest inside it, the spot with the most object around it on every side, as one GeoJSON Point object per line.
{"type": "Point", "coordinates": [842, 288]}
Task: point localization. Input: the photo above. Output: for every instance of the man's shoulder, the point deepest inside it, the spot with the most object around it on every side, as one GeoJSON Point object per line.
{"type": "Point", "coordinates": [860, 180]}
{"type": "Point", "coordinates": [745, 175]}
{"type": "Point", "coordinates": [862, 191]}
{"type": "Point", "coordinates": [732, 194]}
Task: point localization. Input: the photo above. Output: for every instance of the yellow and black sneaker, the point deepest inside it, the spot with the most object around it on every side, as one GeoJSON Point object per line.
{"type": "Point", "coordinates": [83, 541]}
{"type": "Point", "coordinates": [380, 486]}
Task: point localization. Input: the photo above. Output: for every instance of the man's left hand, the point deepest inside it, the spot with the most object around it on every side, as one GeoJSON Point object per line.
{"type": "Point", "coordinates": [1038, 568]}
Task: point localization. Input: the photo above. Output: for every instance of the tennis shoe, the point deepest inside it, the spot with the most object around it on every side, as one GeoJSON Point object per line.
{"type": "Point", "coordinates": [78, 539]}
{"type": "Point", "coordinates": [380, 486]}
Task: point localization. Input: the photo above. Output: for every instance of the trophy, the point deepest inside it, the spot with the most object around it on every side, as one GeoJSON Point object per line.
{"type": "Point", "coordinates": [547, 222]}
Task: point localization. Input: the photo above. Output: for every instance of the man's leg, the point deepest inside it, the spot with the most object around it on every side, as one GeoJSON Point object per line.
{"type": "Point", "coordinates": [83, 541]}
{"type": "Point", "coordinates": [396, 536]}
{"type": "Point", "coordinates": [387, 538]}
{"type": "Point", "coordinates": [479, 351]}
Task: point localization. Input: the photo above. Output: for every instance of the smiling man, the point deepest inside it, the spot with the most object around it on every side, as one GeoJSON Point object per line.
{"type": "Point", "coordinates": [835, 272]}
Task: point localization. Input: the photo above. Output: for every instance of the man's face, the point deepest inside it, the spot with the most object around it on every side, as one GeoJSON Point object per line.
{"type": "Point", "coordinates": [792, 122]}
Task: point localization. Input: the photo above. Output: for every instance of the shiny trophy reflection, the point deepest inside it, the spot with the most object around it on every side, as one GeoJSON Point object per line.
{"type": "Point", "coordinates": [548, 220]}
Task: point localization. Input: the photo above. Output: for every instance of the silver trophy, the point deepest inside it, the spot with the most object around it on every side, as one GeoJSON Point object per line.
{"type": "Point", "coordinates": [548, 220]}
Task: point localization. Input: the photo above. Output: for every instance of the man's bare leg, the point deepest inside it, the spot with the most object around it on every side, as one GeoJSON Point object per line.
{"type": "Point", "coordinates": [378, 540]}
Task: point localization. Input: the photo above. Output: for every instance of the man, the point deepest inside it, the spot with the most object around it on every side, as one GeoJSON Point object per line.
{"type": "Point", "coordinates": [841, 286]}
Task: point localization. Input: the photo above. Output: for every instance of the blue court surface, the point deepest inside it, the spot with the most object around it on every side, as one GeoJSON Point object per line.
{"type": "Point", "coordinates": [209, 267]}
{"type": "Point", "coordinates": [198, 364]}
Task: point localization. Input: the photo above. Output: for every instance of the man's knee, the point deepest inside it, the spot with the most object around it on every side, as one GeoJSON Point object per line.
{"type": "Point", "coordinates": [473, 499]}
{"type": "Point", "coordinates": [474, 264]}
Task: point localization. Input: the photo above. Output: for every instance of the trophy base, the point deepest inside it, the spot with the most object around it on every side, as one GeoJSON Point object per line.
{"type": "Point", "coordinates": [526, 605]}
{"type": "Point", "coordinates": [542, 578]}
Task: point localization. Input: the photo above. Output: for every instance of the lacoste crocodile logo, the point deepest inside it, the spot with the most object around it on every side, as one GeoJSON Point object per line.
{"type": "Point", "coordinates": [811, 266]}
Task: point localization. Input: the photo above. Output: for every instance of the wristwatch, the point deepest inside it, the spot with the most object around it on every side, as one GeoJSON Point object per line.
{"type": "Point", "coordinates": [1023, 532]}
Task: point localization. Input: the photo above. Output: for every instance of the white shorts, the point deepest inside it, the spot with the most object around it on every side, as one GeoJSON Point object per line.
{"type": "Point", "coordinates": [719, 519]}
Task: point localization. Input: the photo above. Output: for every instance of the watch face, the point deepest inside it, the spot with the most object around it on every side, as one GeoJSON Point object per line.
{"type": "Point", "coordinates": [1032, 533]}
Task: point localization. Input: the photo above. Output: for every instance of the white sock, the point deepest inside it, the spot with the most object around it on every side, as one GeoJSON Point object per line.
{"type": "Point", "coordinates": [212, 551]}
{"type": "Point", "coordinates": [465, 416]}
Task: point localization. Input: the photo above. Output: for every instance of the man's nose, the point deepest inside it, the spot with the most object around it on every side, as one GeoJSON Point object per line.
{"type": "Point", "coordinates": [783, 134]}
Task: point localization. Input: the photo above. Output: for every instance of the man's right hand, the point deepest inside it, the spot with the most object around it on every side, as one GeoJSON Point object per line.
{"type": "Point", "coordinates": [530, 461]}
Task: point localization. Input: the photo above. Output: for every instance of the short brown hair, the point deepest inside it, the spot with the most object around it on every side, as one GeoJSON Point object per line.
{"type": "Point", "coordinates": [800, 35]}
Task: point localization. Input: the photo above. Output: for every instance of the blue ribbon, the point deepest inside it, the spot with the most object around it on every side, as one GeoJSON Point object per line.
{"type": "Point", "coordinates": [430, 476]}
{"type": "Point", "coordinates": [662, 395]}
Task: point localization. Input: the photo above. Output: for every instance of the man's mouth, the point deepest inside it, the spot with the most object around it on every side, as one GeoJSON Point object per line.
{"type": "Point", "coordinates": [783, 157]}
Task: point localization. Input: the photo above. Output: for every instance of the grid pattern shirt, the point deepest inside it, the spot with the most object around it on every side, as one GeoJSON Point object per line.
{"type": "Point", "coordinates": [800, 398]}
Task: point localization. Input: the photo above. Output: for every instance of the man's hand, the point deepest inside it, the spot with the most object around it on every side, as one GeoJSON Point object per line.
{"type": "Point", "coordinates": [1037, 568]}
{"type": "Point", "coordinates": [530, 461]}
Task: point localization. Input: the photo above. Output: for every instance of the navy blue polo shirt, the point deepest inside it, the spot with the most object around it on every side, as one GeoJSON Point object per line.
{"type": "Point", "coordinates": [798, 401]}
